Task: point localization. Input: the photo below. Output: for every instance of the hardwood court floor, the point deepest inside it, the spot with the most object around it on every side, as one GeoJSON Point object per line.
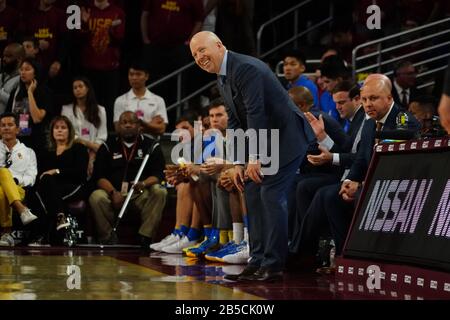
{"type": "Point", "coordinates": [129, 274]}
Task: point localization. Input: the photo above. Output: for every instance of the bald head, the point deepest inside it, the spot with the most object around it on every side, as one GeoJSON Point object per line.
{"type": "Point", "coordinates": [380, 84]}
{"type": "Point", "coordinates": [380, 77]}
{"type": "Point", "coordinates": [302, 98]}
{"type": "Point", "coordinates": [12, 55]}
{"type": "Point", "coordinates": [205, 36]}
{"type": "Point", "coordinates": [208, 51]}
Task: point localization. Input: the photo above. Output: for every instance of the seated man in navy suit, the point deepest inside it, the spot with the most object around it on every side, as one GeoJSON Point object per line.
{"type": "Point", "coordinates": [333, 205]}
{"type": "Point", "coordinates": [257, 101]}
{"type": "Point", "coordinates": [327, 129]}
{"type": "Point", "coordinates": [347, 98]}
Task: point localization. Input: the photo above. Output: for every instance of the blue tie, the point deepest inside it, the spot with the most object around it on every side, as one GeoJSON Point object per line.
{"type": "Point", "coordinates": [346, 125]}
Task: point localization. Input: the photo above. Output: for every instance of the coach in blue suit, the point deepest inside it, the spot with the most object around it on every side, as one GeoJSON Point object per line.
{"type": "Point", "coordinates": [255, 99]}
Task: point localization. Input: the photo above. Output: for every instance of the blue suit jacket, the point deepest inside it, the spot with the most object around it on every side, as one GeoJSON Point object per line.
{"type": "Point", "coordinates": [255, 99]}
{"type": "Point", "coordinates": [361, 164]}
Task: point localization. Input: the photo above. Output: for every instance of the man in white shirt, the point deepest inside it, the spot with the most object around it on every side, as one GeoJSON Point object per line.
{"type": "Point", "coordinates": [18, 170]}
{"type": "Point", "coordinates": [149, 108]}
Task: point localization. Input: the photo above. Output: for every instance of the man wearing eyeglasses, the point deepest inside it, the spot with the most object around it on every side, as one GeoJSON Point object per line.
{"type": "Point", "coordinates": [18, 169]}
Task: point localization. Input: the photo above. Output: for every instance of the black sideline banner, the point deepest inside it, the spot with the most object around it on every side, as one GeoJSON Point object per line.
{"type": "Point", "coordinates": [404, 212]}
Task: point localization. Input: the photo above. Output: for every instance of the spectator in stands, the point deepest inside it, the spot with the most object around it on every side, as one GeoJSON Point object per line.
{"type": "Point", "coordinates": [87, 117]}
{"type": "Point", "coordinates": [31, 47]}
{"type": "Point", "coordinates": [166, 30]}
{"type": "Point", "coordinates": [404, 85]}
{"type": "Point", "coordinates": [10, 77]}
{"type": "Point", "coordinates": [333, 71]}
{"type": "Point", "coordinates": [19, 169]}
{"type": "Point", "coordinates": [102, 33]}
{"type": "Point", "coordinates": [62, 174]}
{"type": "Point", "coordinates": [32, 102]}
{"type": "Point", "coordinates": [421, 12]}
{"type": "Point", "coordinates": [444, 105]}
{"type": "Point", "coordinates": [149, 107]}
{"type": "Point", "coordinates": [294, 65]}
{"type": "Point", "coordinates": [344, 39]}
{"type": "Point", "coordinates": [48, 25]}
{"type": "Point", "coordinates": [318, 79]}
{"type": "Point", "coordinates": [9, 24]}
{"type": "Point", "coordinates": [210, 12]}
{"type": "Point", "coordinates": [206, 122]}
{"type": "Point", "coordinates": [116, 166]}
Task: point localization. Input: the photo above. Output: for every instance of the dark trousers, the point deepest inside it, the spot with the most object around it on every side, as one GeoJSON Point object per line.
{"type": "Point", "coordinates": [268, 217]}
{"type": "Point", "coordinates": [327, 209]}
{"type": "Point", "coordinates": [292, 209]}
{"type": "Point", "coordinates": [306, 189]}
{"type": "Point", "coordinates": [53, 195]}
{"type": "Point", "coordinates": [339, 215]}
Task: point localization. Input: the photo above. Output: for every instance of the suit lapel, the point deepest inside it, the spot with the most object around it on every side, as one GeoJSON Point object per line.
{"type": "Point", "coordinates": [226, 88]}
{"type": "Point", "coordinates": [391, 119]}
{"type": "Point", "coordinates": [356, 123]}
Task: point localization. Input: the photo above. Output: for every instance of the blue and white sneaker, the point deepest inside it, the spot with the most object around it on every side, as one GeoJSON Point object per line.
{"type": "Point", "coordinates": [241, 256]}
{"type": "Point", "coordinates": [208, 245]}
{"type": "Point", "coordinates": [226, 249]}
